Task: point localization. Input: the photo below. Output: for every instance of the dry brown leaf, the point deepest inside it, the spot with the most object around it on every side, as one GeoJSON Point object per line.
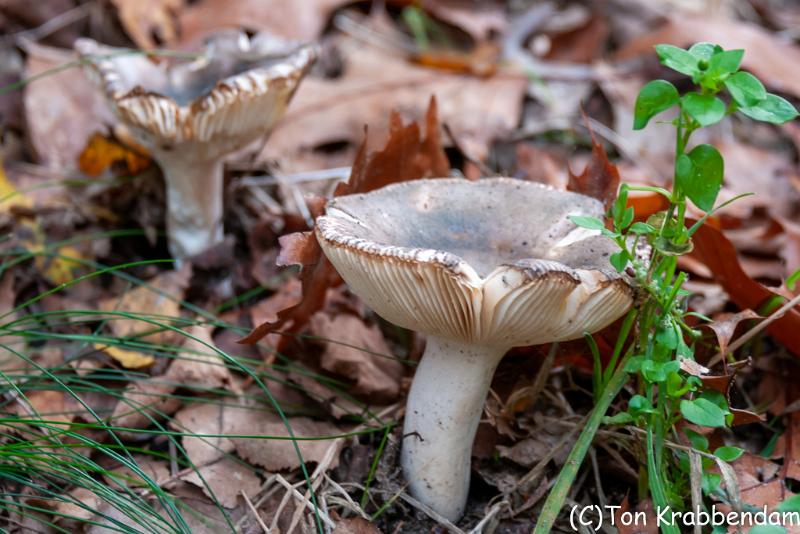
{"type": "Point", "coordinates": [770, 58]}
{"type": "Point", "coordinates": [49, 405]}
{"type": "Point", "coordinates": [278, 454]}
{"type": "Point", "coordinates": [225, 480]}
{"type": "Point", "coordinates": [62, 109]}
{"type": "Point", "coordinates": [725, 327]}
{"type": "Point", "coordinates": [69, 514]}
{"type": "Point", "coordinates": [204, 418]}
{"type": "Point", "coordinates": [196, 365]}
{"type": "Point", "coordinates": [330, 111]}
{"type": "Point", "coordinates": [478, 19]}
{"type": "Point", "coordinates": [355, 525]}
{"type": "Point", "coordinates": [143, 401]}
{"type": "Point", "coordinates": [359, 353]}
{"type": "Point", "coordinates": [159, 296]}
{"type": "Point", "coordinates": [102, 152]}
{"type": "Point", "coordinates": [718, 254]}
{"type": "Point", "coordinates": [293, 20]}
{"type": "Point", "coordinates": [149, 22]}
{"type": "Point", "coordinates": [406, 156]}
{"type": "Point", "coordinates": [600, 178]}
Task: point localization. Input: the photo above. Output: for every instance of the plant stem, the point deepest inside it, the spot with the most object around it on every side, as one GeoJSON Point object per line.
{"type": "Point", "coordinates": [555, 500]}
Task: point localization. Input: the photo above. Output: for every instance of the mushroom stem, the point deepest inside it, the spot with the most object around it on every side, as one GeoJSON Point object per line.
{"type": "Point", "coordinates": [194, 204]}
{"type": "Point", "coordinates": [442, 415]}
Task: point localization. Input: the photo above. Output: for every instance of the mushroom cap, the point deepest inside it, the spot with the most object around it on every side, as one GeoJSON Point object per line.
{"type": "Point", "coordinates": [233, 93]}
{"type": "Point", "coordinates": [494, 262]}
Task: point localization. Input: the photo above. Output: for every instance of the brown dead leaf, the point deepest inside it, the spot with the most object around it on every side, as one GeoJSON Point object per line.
{"type": "Point", "coordinates": [406, 156]}
{"type": "Point", "coordinates": [278, 453]}
{"type": "Point", "coordinates": [359, 353]}
{"type": "Point", "coordinates": [102, 152]}
{"type": "Point", "coordinates": [331, 111]}
{"type": "Point", "coordinates": [143, 401]}
{"type": "Point", "coordinates": [197, 365]}
{"type": "Point", "coordinates": [355, 525]}
{"type": "Point", "coordinates": [49, 405]}
{"type": "Point", "coordinates": [725, 327]}
{"type": "Point", "coordinates": [62, 109]}
{"type": "Point", "coordinates": [293, 20]}
{"type": "Point", "coordinates": [204, 418]}
{"type": "Point", "coordinates": [718, 254]}
{"type": "Point", "coordinates": [538, 165]}
{"type": "Point", "coordinates": [69, 513]}
{"type": "Point", "coordinates": [158, 296]}
{"type": "Point", "coordinates": [226, 480]}
{"type": "Point", "coordinates": [770, 58]}
{"type": "Point", "coordinates": [149, 22]}
{"type": "Point", "coordinates": [600, 178]}
{"type": "Point", "coordinates": [478, 19]}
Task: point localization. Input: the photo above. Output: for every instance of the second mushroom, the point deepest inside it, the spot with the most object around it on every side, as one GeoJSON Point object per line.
{"type": "Point", "coordinates": [480, 267]}
{"type": "Point", "coordinates": [190, 115]}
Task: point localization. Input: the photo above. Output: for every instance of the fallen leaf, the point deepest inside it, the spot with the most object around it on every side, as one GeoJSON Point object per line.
{"type": "Point", "coordinates": [303, 21]}
{"type": "Point", "coordinates": [143, 401]}
{"type": "Point", "coordinates": [49, 405]}
{"type": "Point", "coordinates": [78, 507]}
{"type": "Point", "coordinates": [272, 450]}
{"type": "Point", "coordinates": [225, 480]}
{"type": "Point", "coordinates": [479, 19]}
{"type": "Point", "coordinates": [159, 296]}
{"type": "Point", "coordinates": [355, 525]}
{"type": "Point", "coordinates": [129, 359]}
{"type": "Point", "coordinates": [204, 418]}
{"type": "Point", "coordinates": [102, 152]}
{"type": "Point", "coordinates": [149, 22]}
{"type": "Point", "coordinates": [359, 353]}
{"type": "Point", "coordinates": [326, 112]}
{"type": "Point", "coordinates": [770, 58]}
{"type": "Point", "coordinates": [406, 156]}
{"type": "Point", "coordinates": [725, 327]}
{"type": "Point", "coordinates": [718, 254]}
{"type": "Point", "coordinates": [600, 178]}
{"type": "Point", "coordinates": [196, 365]}
{"type": "Point", "coordinates": [10, 196]}
{"type": "Point", "coordinates": [62, 109]}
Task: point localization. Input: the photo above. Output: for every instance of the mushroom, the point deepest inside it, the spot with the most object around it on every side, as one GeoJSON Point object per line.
{"type": "Point", "coordinates": [480, 267]}
{"type": "Point", "coordinates": [190, 115]}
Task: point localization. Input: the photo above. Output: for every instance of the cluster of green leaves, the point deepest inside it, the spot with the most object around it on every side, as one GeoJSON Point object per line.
{"type": "Point", "coordinates": [648, 251]}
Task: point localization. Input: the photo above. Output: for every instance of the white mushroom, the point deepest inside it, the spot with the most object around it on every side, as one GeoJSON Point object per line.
{"type": "Point", "coordinates": [190, 115]}
{"type": "Point", "coordinates": [480, 267]}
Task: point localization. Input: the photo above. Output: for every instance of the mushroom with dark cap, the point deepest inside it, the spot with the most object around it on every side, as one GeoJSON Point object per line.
{"type": "Point", "coordinates": [480, 267]}
{"type": "Point", "coordinates": [191, 115]}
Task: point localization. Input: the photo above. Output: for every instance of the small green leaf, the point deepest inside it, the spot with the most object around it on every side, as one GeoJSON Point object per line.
{"type": "Point", "coordinates": [698, 441]}
{"type": "Point", "coordinates": [792, 504]}
{"type": "Point", "coordinates": [728, 454]}
{"type": "Point", "coordinates": [705, 109]}
{"type": "Point", "coordinates": [653, 98]}
{"type": "Point", "coordinates": [677, 59]}
{"type": "Point", "coordinates": [627, 218]}
{"type": "Point", "coordinates": [584, 221]}
{"type": "Point", "coordinates": [676, 387]}
{"type": "Point", "coordinates": [745, 89]}
{"type": "Point", "coordinates": [622, 418]}
{"type": "Point", "coordinates": [634, 364]}
{"type": "Point", "coordinates": [619, 260]}
{"type": "Point", "coordinates": [667, 335]}
{"type": "Point", "coordinates": [703, 412]}
{"type": "Point", "coordinates": [701, 177]}
{"type": "Point", "coordinates": [773, 109]}
{"type": "Point", "coordinates": [703, 50]}
{"type": "Point", "coordinates": [639, 405]}
{"type": "Point", "coordinates": [711, 483]}
{"type": "Point", "coordinates": [642, 228]}
{"type": "Point", "coordinates": [723, 64]}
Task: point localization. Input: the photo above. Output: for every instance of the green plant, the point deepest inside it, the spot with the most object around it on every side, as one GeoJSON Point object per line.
{"type": "Point", "coordinates": [649, 251]}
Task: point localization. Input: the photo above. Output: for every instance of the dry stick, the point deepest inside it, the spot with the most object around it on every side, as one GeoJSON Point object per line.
{"type": "Point", "coordinates": [555, 501]}
{"type": "Point", "coordinates": [750, 334]}
{"type": "Point", "coordinates": [347, 502]}
{"type": "Point", "coordinates": [255, 512]}
{"type": "Point", "coordinates": [493, 511]}
{"type": "Point", "coordinates": [303, 500]}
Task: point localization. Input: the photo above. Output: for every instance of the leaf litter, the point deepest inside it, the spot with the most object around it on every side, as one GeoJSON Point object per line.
{"type": "Point", "coordinates": [145, 354]}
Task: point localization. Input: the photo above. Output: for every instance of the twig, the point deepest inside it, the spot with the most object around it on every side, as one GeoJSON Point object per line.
{"type": "Point", "coordinates": [750, 334]}
{"type": "Point", "coordinates": [51, 26]}
{"type": "Point", "coordinates": [493, 511]}
{"type": "Point", "coordinates": [255, 512]}
{"type": "Point", "coordinates": [304, 500]}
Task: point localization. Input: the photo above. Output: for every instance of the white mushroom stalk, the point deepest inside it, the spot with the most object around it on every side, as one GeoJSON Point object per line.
{"type": "Point", "coordinates": [191, 115]}
{"type": "Point", "coordinates": [480, 267]}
